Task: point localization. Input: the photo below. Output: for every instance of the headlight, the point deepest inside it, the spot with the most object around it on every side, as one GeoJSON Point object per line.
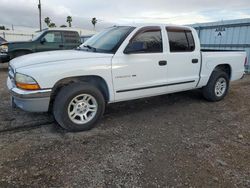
{"type": "Point", "coordinates": [4, 48]}
{"type": "Point", "coordinates": [26, 82]}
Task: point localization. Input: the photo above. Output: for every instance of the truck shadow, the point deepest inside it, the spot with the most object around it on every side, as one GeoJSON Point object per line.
{"type": "Point", "coordinates": [114, 111]}
{"type": "Point", "coordinates": [147, 104]}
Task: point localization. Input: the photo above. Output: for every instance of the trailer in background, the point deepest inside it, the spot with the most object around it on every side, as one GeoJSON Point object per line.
{"type": "Point", "coordinates": [226, 35]}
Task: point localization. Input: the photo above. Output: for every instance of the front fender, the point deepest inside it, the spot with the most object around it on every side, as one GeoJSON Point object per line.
{"type": "Point", "coordinates": [48, 74]}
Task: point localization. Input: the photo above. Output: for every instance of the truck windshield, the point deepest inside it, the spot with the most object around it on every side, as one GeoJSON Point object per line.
{"type": "Point", "coordinates": [37, 35]}
{"type": "Point", "coordinates": [108, 40]}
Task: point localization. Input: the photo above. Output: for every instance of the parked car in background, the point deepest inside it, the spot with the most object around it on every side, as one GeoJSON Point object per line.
{"type": "Point", "coordinates": [119, 64]}
{"type": "Point", "coordinates": [3, 56]}
{"type": "Point", "coordinates": [46, 40]}
{"type": "Point", "coordinates": [84, 38]}
{"type": "Point", "coordinates": [2, 40]}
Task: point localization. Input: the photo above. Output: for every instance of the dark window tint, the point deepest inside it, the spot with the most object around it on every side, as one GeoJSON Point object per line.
{"type": "Point", "coordinates": [190, 40]}
{"type": "Point", "coordinates": [71, 37]}
{"type": "Point", "coordinates": [151, 40]}
{"type": "Point", "coordinates": [181, 40]}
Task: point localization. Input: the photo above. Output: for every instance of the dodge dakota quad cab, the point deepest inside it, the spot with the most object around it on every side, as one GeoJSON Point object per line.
{"type": "Point", "coordinates": [120, 63]}
{"type": "Point", "coordinates": [46, 40]}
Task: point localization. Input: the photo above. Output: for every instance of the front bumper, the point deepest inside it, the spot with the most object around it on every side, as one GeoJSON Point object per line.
{"type": "Point", "coordinates": [31, 101]}
{"type": "Point", "coordinates": [4, 57]}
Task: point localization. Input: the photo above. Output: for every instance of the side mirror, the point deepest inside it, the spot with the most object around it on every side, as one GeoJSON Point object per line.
{"type": "Point", "coordinates": [43, 40]}
{"type": "Point", "coordinates": [135, 47]}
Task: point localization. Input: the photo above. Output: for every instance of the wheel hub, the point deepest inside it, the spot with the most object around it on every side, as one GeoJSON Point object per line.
{"type": "Point", "coordinates": [220, 87]}
{"type": "Point", "coordinates": [82, 109]}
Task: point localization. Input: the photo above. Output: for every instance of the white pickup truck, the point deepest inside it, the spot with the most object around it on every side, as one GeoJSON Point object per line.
{"type": "Point", "coordinates": [118, 64]}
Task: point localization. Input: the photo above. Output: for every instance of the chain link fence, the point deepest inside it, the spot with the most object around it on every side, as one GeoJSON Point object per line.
{"type": "Point", "coordinates": [16, 36]}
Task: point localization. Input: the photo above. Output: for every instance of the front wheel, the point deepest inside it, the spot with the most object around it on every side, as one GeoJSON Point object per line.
{"type": "Point", "coordinates": [78, 107]}
{"type": "Point", "coordinates": [217, 87]}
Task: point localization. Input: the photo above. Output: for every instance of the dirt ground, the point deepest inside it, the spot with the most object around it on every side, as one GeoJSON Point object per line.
{"type": "Point", "coordinates": [176, 140]}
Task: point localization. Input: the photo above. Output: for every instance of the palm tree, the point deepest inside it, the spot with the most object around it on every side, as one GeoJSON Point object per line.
{"type": "Point", "coordinates": [69, 20]}
{"type": "Point", "coordinates": [47, 21]}
{"type": "Point", "coordinates": [94, 22]}
{"type": "Point", "coordinates": [52, 25]}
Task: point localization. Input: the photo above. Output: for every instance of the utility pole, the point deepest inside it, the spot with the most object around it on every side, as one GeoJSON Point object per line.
{"type": "Point", "coordinates": [40, 14]}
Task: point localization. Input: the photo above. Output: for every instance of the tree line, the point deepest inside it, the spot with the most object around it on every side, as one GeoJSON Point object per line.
{"type": "Point", "coordinates": [4, 28]}
{"type": "Point", "coordinates": [69, 20]}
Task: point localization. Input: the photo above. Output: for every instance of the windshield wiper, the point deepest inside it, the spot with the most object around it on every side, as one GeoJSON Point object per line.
{"type": "Point", "coordinates": [90, 47]}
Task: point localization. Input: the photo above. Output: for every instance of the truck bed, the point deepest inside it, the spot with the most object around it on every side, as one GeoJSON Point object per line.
{"type": "Point", "coordinates": [219, 50]}
{"type": "Point", "coordinates": [211, 58]}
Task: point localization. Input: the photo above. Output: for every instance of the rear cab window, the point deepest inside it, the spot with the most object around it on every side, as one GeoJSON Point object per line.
{"type": "Point", "coordinates": [71, 37]}
{"type": "Point", "coordinates": [180, 40]}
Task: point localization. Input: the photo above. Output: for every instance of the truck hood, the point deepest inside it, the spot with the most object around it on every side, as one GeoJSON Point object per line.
{"type": "Point", "coordinates": [16, 42]}
{"type": "Point", "coordinates": [54, 56]}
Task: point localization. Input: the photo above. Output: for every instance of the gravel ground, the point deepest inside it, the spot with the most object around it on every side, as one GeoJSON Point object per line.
{"type": "Point", "coordinates": [176, 140]}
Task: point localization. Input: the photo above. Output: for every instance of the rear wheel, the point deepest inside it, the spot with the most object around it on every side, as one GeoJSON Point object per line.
{"type": "Point", "coordinates": [78, 107]}
{"type": "Point", "coordinates": [217, 87]}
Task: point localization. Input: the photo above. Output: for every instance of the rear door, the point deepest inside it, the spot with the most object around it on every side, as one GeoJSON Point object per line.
{"type": "Point", "coordinates": [71, 40]}
{"type": "Point", "coordinates": [183, 58]}
{"type": "Point", "coordinates": [51, 40]}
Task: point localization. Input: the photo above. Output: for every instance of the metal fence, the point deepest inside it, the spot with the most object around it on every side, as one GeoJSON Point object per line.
{"type": "Point", "coordinates": [15, 36]}
{"type": "Point", "coordinates": [226, 35]}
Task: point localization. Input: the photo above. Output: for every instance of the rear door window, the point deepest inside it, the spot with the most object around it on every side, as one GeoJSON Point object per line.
{"type": "Point", "coordinates": [71, 37]}
{"type": "Point", "coordinates": [180, 40]}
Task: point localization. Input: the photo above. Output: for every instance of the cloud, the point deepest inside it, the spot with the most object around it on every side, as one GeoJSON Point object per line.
{"type": "Point", "coordinates": [110, 12]}
{"type": "Point", "coordinates": [25, 13]}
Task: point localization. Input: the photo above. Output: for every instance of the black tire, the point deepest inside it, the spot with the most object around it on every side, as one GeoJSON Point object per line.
{"type": "Point", "coordinates": [209, 90]}
{"type": "Point", "coordinates": [62, 102]}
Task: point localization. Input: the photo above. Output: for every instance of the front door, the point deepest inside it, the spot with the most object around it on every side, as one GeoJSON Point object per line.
{"type": "Point", "coordinates": [140, 70]}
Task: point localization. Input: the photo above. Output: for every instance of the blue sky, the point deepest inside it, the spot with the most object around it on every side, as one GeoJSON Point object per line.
{"type": "Point", "coordinates": [110, 12]}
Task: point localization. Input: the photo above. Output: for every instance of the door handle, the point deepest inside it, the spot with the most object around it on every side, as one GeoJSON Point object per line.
{"type": "Point", "coordinates": [195, 60]}
{"type": "Point", "coordinates": [162, 63]}
{"type": "Point", "coordinates": [61, 46]}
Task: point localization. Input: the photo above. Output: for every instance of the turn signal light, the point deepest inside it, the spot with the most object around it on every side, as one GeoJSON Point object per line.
{"type": "Point", "coordinates": [27, 86]}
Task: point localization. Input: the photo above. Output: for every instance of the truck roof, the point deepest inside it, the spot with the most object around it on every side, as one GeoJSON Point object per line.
{"type": "Point", "coordinates": [59, 29]}
{"type": "Point", "coordinates": [159, 25]}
